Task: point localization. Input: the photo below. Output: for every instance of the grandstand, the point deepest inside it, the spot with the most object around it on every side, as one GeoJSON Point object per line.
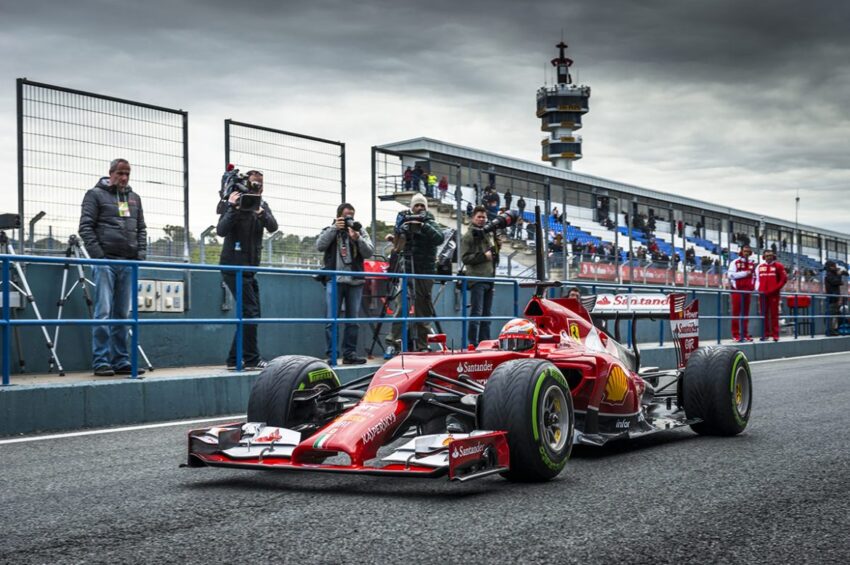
{"type": "Point", "coordinates": [712, 231]}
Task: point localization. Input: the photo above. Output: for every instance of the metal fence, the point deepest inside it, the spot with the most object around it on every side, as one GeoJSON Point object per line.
{"type": "Point", "coordinates": [303, 178]}
{"type": "Point", "coordinates": [66, 140]}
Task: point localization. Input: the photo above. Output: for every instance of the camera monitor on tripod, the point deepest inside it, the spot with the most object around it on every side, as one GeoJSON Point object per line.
{"type": "Point", "coordinates": [10, 221]}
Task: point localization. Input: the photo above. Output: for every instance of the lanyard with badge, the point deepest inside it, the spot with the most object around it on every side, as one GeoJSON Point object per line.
{"type": "Point", "coordinates": [123, 208]}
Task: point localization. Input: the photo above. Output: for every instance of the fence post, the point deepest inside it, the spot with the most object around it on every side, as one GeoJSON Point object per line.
{"type": "Point", "coordinates": [7, 328]}
{"type": "Point", "coordinates": [516, 299]}
{"type": "Point", "coordinates": [239, 328]}
{"type": "Point", "coordinates": [719, 314]}
{"type": "Point", "coordinates": [465, 324]}
{"type": "Point", "coordinates": [405, 310]}
{"type": "Point", "coordinates": [134, 308]}
{"type": "Point", "coordinates": [334, 303]}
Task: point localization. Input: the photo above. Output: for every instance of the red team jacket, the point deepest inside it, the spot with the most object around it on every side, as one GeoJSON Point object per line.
{"type": "Point", "coordinates": [742, 274]}
{"type": "Point", "coordinates": [770, 277]}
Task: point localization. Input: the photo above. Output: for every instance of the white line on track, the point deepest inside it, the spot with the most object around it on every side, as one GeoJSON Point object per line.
{"type": "Point", "coordinates": [124, 429]}
{"type": "Point", "coordinates": [799, 357]}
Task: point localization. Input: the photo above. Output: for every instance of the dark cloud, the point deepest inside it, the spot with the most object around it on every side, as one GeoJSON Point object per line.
{"type": "Point", "coordinates": [686, 94]}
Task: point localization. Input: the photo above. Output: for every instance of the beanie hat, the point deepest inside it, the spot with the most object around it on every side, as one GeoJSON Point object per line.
{"type": "Point", "coordinates": [418, 199]}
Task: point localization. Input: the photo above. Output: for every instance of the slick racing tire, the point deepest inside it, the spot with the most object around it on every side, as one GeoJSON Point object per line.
{"type": "Point", "coordinates": [530, 399]}
{"type": "Point", "coordinates": [717, 388]}
{"type": "Point", "coordinates": [271, 395]}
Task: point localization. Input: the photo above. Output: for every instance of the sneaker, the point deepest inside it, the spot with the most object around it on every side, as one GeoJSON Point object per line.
{"type": "Point", "coordinates": [104, 371]}
{"type": "Point", "coordinates": [762, 339]}
{"type": "Point", "coordinates": [261, 364]}
{"type": "Point", "coordinates": [748, 338]}
{"type": "Point", "coordinates": [776, 339]}
{"type": "Point", "coordinates": [354, 360]}
{"type": "Point", "coordinates": [390, 352]}
{"type": "Point", "coordinates": [128, 371]}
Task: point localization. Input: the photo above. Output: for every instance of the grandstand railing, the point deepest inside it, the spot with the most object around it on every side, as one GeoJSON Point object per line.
{"type": "Point", "coordinates": [7, 323]}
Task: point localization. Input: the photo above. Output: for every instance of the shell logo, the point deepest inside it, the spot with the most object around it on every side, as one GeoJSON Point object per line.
{"type": "Point", "coordinates": [379, 394]}
{"type": "Point", "coordinates": [617, 385]}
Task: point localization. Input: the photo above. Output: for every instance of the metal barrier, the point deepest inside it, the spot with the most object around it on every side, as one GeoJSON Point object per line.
{"type": "Point", "coordinates": [7, 323]}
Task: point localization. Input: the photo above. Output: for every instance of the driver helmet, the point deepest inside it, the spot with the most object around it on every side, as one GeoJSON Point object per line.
{"type": "Point", "coordinates": [518, 335]}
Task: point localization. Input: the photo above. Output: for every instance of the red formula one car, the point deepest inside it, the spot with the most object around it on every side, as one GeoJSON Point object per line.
{"type": "Point", "coordinates": [513, 406]}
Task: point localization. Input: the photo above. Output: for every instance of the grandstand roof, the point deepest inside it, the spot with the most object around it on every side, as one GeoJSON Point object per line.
{"type": "Point", "coordinates": [460, 151]}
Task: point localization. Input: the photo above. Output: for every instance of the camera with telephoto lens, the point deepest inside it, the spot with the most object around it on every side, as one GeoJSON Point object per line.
{"type": "Point", "coordinates": [10, 221]}
{"type": "Point", "coordinates": [502, 221]}
{"type": "Point", "coordinates": [249, 199]}
{"type": "Point", "coordinates": [350, 222]}
{"type": "Point", "coordinates": [408, 222]}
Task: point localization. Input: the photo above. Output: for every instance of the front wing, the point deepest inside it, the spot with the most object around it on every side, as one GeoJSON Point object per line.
{"type": "Point", "coordinates": [462, 457]}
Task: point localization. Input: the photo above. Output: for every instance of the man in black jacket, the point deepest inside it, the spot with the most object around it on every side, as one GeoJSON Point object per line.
{"type": "Point", "coordinates": [832, 286]}
{"type": "Point", "coordinates": [112, 226]}
{"type": "Point", "coordinates": [242, 231]}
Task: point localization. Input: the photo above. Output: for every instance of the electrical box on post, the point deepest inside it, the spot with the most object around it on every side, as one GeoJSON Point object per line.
{"type": "Point", "coordinates": [170, 296]}
{"type": "Point", "coordinates": [147, 295]}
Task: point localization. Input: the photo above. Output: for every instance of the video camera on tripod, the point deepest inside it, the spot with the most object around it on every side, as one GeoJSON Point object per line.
{"type": "Point", "coordinates": [249, 192]}
{"type": "Point", "coordinates": [502, 221]}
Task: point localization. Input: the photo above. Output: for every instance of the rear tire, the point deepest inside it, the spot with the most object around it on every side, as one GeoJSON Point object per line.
{"type": "Point", "coordinates": [530, 399]}
{"type": "Point", "coordinates": [271, 395]}
{"type": "Point", "coordinates": [717, 388]}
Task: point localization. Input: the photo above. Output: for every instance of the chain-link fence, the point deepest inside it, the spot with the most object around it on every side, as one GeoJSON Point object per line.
{"type": "Point", "coordinates": [304, 182]}
{"type": "Point", "coordinates": [66, 140]}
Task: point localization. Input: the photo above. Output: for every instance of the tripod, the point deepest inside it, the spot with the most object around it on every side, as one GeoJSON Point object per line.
{"type": "Point", "coordinates": [23, 287]}
{"type": "Point", "coordinates": [76, 248]}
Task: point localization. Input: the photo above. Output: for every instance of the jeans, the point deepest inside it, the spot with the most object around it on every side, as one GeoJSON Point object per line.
{"type": "Point", "coordinates": [482, 305]}
{"type": "Point", "coordinates": [250, 309]}
{"type": "Point", "coordinates": [113, 289]}
{"type": "Point", "coordinates": [351, 296]}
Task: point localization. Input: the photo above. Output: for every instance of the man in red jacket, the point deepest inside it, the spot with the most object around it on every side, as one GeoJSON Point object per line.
{"type": "Point", "coordinates": [770, 278]}
{"type": "Point", "coordinates": [742, 277]}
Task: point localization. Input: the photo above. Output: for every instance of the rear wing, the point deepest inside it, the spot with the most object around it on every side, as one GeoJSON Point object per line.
{"type": "Point", "coordinates": [684, 319]}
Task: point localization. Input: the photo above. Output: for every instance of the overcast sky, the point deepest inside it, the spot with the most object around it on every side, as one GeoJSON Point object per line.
{"type": "Point", "coordinates": [740, 103]}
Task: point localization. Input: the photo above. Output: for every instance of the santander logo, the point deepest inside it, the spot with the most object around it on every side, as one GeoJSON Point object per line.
{"type": "Point", "coordinates": [461, 451]}
{"type": "Point", "coordinates": [467, 367]}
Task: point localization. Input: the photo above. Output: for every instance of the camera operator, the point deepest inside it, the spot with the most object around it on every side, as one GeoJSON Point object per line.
{"type": "Point", "coordinates": [416, 238]}
{"type": "Point", "coordinates": [832, 286]}
{"type": "Point", "coordinates": [345, 245]}
{"type": "Point", "coordinates": [480, 255]}
{"type": "Point", "coordinates": [242, 230]}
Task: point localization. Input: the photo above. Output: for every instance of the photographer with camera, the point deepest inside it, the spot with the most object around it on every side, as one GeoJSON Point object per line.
{"type": "Point", "coordinates": [415, 240]}
{"type": "Point", "coordinates": [345, 245]}
{"type": "Point", "coordinates": [244, 215]}
{"type": "Point", "coordinates": [480, 255]}
{"type": "Point", "coordinates": [832, 286]}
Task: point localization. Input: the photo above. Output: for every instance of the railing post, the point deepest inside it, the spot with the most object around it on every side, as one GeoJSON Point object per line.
{"type": "Point", "coordinates": [134, 308]}
{"type": "Point", "coordinates": [7, 327]}
{"type": "Point", "coordinates": [465, 324]}
{"type": "Point", "coordinates": [239, 329]}
{"type": "Point", "coordinates": [405, 309]}
{"type": "Point", "coordinates": [334, 303]}
{"type": "Point", "coordinates": [516, 299]}
{"type": "Point", "coordinates": [796, 329]}
{"type": "Point", "coordinates": [719, 314]}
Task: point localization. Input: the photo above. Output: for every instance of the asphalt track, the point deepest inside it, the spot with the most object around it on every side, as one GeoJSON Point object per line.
{"type": "Point", "coordinates": [779, 493]}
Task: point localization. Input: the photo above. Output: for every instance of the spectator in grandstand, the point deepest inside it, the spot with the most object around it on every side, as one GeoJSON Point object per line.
{"type": "Point", "coordinates": [557, 245]}
{"type": "Point", "coordinates": [491, 203]}
{"type": "Point", "coordinates": [690, 256]}
{"type": "Point", "coordinates": [770, 278]}
{"type": "Point", "coordinates": [832, 286]}
{"type": "Point", "coordinates": [676, 259]}
{"type": "Point", "coordinates": [784, 244]}
{"type": "Point", "coordinates": [520, 205]}
{"type": "Point", "coordinates": [773, 247]}
{"type": "Point", "coordinates": [480, 255]}
{"type": "Point", "coordinates": [112, 226]}
{"type": "Point", "coordinates": [443, 187]}
{"type": "Point", "coordinates": [432, 183]}
{"type": "Point", "coordinates": [408, 178]}
{"type": "Point", "coordinates": [345, 244]}
{"type": "Point", "coordinates": [469, 208]}
{"type": "Point", "coordinates": [418, 173]}
{"type": "Point", "coordinates": [417, 241]}
{"type": "Point", "coordinates": [680, 228]}
{"type": "Point", "coordinates": [556, 215]}
{"type": "Point", "coordinates": [508, 199]}
{"type": "Point", "coordinates": [698, 229]}
{"type": "Point", "coordinates": [517, 228]}
{"type": "Point", "coordinates": [242, 231]}
{"type": "Point", "coordinates": [705, 263]}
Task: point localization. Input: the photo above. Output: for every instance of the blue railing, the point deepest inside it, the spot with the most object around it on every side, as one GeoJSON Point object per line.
{"type": "Point", "coordinates": [134, 322]}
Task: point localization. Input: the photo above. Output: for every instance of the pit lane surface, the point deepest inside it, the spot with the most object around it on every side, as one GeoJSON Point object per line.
{"type": "Point", "coordinates": [779, 493]}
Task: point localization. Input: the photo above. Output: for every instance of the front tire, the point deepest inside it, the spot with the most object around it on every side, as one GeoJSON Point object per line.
{"type": "Point", "coordinates": [717, 388]}
{"type": "Point", "coordinates": [530, 399]}
{"type": "Point", "coordinates": [271, 395]}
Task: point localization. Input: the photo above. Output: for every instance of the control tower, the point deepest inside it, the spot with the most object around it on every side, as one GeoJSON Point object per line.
{"type": "Point", "coordinates": [560, 109]}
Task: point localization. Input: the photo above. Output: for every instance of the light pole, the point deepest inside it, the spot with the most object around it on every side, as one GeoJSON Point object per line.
{"type": "Point", "coordinates": [797, 238]}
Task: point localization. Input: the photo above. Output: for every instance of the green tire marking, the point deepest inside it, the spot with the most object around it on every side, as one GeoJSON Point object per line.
{"type": "Point", "coordinates": [321, 375]}
{"type": "Point", "coordinates": [555, 374]}
{"type": "Point", "coordinates": [738, 358]}
{"type": "Point", "coordinates": [301, 386]}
